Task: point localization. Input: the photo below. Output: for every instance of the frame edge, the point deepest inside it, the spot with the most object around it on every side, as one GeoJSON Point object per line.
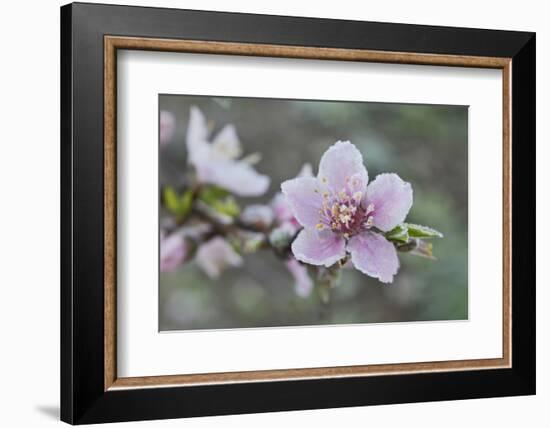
{"type": "Point", "coordinates": [78, 406]}
{"type": "Point", "coordinates": [523, 130]}
{"type": "Point", "coordinates": [66, 306]}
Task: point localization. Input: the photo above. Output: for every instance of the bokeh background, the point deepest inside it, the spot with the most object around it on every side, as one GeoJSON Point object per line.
{"type": "Point", "coordinates": [426, 145]}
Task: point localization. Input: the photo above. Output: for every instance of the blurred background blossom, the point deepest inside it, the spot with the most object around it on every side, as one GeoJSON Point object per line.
{"type": "Point", "coordinates": [219, 286]}
{"type": "Point", "coordinates": [217, 161]}
{"type": "Point", "coordinates": [215, 255]}
{"type": "Point", "coordinates": [167, 127]}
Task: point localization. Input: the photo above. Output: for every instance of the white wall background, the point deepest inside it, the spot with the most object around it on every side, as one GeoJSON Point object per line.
{"type": "Point", "coordinates": [29, 213]}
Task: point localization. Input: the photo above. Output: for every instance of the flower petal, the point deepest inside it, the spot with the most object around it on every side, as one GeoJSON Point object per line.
{"type": "Point", "coordinates": [341, 162]}
{"type": "Point", "coordinates": [306, 171]}
{"type": "Point", "coordinates": [173, 250]}
{"type": "Point", "coordinates": [216, 255]}
{"type": "Point", "coordinates": [258, 215]}
{"type": "Point", "coordinates": [392, 199]}
{"type": "Point", "coordinates": [374, 255]}
{"type": "Point", "coordinates": [197, 135]}
{"type": "Point", "coordinates": [318, 247]}
{"type": "Point", "coordinates": [305, 200]}
{"type": "Point", "coordinates": [167, 127]}
{"type": "Point", "coordinates": [227, 143]}
{"type": "Point", "coordinates": [303, 284]}
{"type": "Point", "coordinates": [281, 208]}
{"type": "Point", "coordinates": [237, 177]}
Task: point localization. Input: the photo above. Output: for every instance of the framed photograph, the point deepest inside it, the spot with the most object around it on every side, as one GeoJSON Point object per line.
{"type": "Point", "coordinates": [265, 213]}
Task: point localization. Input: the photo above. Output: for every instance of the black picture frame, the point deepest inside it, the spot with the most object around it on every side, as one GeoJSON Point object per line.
{"type": "Point", "coordinates": [83, 397]}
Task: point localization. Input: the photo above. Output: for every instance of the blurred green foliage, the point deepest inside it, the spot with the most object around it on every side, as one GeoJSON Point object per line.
{"type": "Point", "coordinates": [178, 205]}
{"type": "Point", "coordinates": [427, 145]}
{"type": "Point", "coordinates": [220, 200]}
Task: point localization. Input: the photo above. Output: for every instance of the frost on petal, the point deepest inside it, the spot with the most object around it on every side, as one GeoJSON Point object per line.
{"type": "Point", "coordinates": [173, 250]}
{"type": "Point", "coordinates": [305, 200]}
{"type": "Point", "coordinates": [318, 247]}
{"type": "Point", "coordinates": [226, 143]}
{"type": "Point", "coordinates": [197, 136]}
{"type": "Point", "coordinates": [303, 284]}
{"type": "Point", "coordinates": [391, 198]}
{"type": "Point", "coordinates": [237, 177]}
{"type": "Point", "coordinates": [341, 162]}
{"type": "Point", "coordinates": [167, 127]}
{"type": "Point", "coordinates": [216, 255]}
{"type": "Point", "coordinates": [373, 255]}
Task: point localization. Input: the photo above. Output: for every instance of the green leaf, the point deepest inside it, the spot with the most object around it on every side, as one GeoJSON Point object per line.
{"type": "Point", "coordinates": [398, 234]}
{"type": "Point", "coordinates": [418, 231]}
{"type": "Point", "coordinates": [171, 200]}
{"type": "Point", "coordinates": [177, 205]}
{"type": "Point", "coordinates": [227, 207]}
{"type": "Point", "coordinates": [186, 202]}
{"type": "Point", "coordinates": [220, 200]}
{"type": "Point", "coordinates": [211, 194]}
{"type": "Point", "coordinates": [402, 233]}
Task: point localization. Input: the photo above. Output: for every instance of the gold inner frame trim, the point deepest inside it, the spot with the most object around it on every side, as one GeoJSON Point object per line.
{"type": "Point", "coordinates": [113, 43]}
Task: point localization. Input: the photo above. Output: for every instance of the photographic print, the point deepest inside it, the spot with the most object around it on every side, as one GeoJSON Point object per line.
{"type": "Point", "coordinates": [277, 213]}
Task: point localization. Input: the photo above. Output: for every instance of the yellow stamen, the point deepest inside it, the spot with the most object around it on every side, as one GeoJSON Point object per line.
{"type": "Point", "coordinates": [320, 226]}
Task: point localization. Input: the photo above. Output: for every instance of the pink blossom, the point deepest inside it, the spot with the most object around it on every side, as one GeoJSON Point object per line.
{"type": "Point", "coordinates": [303, 284]}
{"type": "Point", "coordinates": [167, 127]}
{"type": "Point", "coordinates": [284, 216]}
{"type": "Point", "coordinates": [342, 213]}
{"type": "Point", "coordinates": [281, 209]}
{"type": "Point", "coordinates": [216, 255]}
{"type": "Point", "coordinates": [217, 161]}
{"type": "Point", "coordinates": [173, 250]}
{"type": "Point", "coordinates": [287, 226]}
